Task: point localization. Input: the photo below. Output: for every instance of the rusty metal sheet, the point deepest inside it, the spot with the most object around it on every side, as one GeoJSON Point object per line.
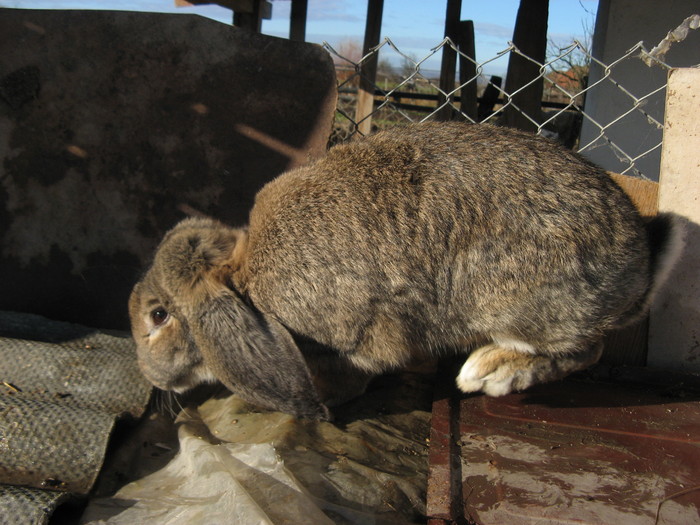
{"type": "Point", "coordinates": [573, 451]}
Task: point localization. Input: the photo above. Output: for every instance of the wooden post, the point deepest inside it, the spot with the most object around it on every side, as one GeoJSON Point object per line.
{"type": "Point", "coordinates": [674, 331]}
{"type": "Point", "coordinates": [297, 20]}
{"type": "Point", "coordinates": [449, 59]}
{"type": "Point", "coordinates": [530, 37]}
{"type": "Point", "coordinates": [368, 70]}
{"type": "Point", "coordinates": [467, 69]}
{"type": "Point", "coordinates": [249, 14]}
{"type": "Point", "coordinates": [489, 98]}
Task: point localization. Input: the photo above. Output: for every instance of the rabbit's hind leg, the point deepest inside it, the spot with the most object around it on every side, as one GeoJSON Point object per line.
{"type": "Point", "coordinates": [498, 369]}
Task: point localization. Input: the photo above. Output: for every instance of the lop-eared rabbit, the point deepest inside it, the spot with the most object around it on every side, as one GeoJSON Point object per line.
{"type": "Point", "coordinates": [418, 241]}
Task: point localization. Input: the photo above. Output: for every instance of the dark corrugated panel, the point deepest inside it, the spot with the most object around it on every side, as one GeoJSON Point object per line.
{"type": "Point", "coordinates": [63, 388]}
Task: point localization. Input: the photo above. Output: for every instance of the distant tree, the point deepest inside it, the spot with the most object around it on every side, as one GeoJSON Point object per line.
{"type": "Point", "coordinates": [408, 68]}
{"type": "Point", "coordinates": [385, 73]}
{"type": "Point", "coordinates": [349, 52]}
{"type": "Point", "coordinates": [408, 65]}
{"type": "Point", "coordinates": [347, 57]}
{"type": "Point", "coordinates": [570, 67]}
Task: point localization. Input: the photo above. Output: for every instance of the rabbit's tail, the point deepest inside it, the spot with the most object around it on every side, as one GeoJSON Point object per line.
{"type": "Point", "coordinates": [665, 234]}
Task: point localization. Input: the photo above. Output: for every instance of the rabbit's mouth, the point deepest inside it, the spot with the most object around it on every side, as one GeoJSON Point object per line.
{"type": "Point", "coordinates": [178, 382]}
{"type": "Point", "coordinates": [179, 385]}
{"type": "Point", "coordinates": [195, 376]}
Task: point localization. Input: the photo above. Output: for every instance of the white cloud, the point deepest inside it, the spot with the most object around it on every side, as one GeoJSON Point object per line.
{"type": "Point", "coordinates": [493, 30]}
{"type": "Point", "coordinates": [322, 10]}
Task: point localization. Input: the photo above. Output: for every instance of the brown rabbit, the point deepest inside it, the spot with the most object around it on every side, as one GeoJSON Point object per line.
{"type": "Point", "coordinates": [414, 242]}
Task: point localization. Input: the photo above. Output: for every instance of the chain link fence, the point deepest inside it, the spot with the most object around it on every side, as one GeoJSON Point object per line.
{"type": "Point", "coordinates": [572, 80]}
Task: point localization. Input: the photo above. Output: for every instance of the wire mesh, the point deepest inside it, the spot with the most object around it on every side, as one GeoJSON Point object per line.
{"type": "Point", "coordinates": [569, 78]}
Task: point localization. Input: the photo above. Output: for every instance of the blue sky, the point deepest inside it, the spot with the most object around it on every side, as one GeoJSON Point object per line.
{"type": "Point", "coordinates": [415, 26]}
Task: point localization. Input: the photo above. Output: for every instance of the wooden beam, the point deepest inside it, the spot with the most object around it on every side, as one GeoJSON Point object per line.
{"type": "Point", "coordinates": [643, 193]}
{"type": "Point", "coordinates": [530, 37]}
{"type": "Point", "coordinates": [449, 59]}
{"type": "Point", "coordinates": [297, 20]}
{"type": "Point", "coordinates": [368, 70]}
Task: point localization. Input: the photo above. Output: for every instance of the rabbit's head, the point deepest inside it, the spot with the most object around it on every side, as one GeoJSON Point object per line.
{"type": "Point", "coordinates": [191, 325]}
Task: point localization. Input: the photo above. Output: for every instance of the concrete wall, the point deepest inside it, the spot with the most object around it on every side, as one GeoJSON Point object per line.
{"type": "Point", "coordinates": [620, 25]}
{"type": "Point", "coordinates": [674, 331]}
{"type": "Point", "coordinates": [114, 124]}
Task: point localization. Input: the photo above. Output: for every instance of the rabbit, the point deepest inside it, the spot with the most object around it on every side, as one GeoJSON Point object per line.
{"type": "Point", "coordinates": [418, 241]}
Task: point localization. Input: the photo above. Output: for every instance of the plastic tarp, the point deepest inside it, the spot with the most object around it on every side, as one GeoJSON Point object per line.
{"type": "Point", "coordinates": [237, 464]}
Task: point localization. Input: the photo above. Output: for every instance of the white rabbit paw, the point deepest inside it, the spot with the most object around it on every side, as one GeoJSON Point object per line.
{"type": "Point", "coordinates": [497, 371]}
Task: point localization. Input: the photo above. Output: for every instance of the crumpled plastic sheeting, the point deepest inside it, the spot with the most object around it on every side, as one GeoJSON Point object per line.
{"type": "Point", "coordinates": [239, 465]}
{"type": "Point", "coordinates": [62, 388]}
{"type": "Point", "coordinates": [216, 483]}
{"type": "Point", "coordinates": [677, 35]}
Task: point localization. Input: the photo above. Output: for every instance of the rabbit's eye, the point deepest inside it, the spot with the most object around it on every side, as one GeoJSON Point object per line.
{"type": "Point", "coordinates": [159, 316]}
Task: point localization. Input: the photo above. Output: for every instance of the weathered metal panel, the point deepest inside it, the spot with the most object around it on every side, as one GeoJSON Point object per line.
{"type": "Point", "coordinates": [113, 123]}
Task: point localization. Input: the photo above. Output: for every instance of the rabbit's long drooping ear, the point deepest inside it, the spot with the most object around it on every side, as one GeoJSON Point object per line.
{"type": "Point", "coordinates": [255, 356]}
{"type": "Point", "coordinates": [251, 353]}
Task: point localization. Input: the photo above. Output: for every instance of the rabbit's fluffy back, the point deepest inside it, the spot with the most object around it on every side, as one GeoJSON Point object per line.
{"type": "Point", "coordinates": [430, 236]}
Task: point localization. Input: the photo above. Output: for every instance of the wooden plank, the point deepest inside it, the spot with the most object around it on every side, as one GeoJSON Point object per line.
{"type": "Point", "coordinates": [629, 345]}
{"type": "Point", "coordinates": [585, 452]}
{"type": "Point", "coordinates": [449, 59]}
{"type": "Point", "coordinates": [644, 193]}
{"type": "Point", "coordinates": [675, 316]}
{"type": "Point", "coordinates": [297, 20]}
{"type": "Point", "coordinates": [368, 70]}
